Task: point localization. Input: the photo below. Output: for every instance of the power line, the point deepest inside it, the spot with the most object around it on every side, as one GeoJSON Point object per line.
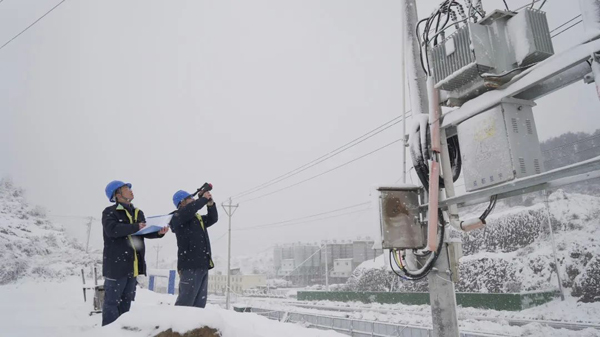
{"type": "Point", "coordinates": [306, 217]}
{"type": "Point", "coordinates": [528, 5]}
{"type": "Point", "coordinates": [327, 156]}
{"type": "Point", "coordinates": [307, 221]}
{"type": "Point", "coordinates": [564, 24]}
{"type": "Point", "coordinates": [320, 174]}
{"type": "Point", "coordinates": [564, 30]}
{"type": "Point", "coordinates": [219, 238]}
{"type": "Point", "coordinates": [31, 25]}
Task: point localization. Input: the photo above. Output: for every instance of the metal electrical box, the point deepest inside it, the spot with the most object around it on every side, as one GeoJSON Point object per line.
{"type": "Point", "coordinates": [399, 216]}
{"type": "Point", "coordinates": [482, 56]}
{"type": "Point", "coordinates": [499, 145]}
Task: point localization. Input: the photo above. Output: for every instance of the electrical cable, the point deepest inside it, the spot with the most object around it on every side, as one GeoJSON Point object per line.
{"type": "Point", "coordinates": [566, 23]}
{"type": "Point", "coordinates": [307, 217]}
{"type": "Point", "coordinates": [508, 72]}
{"type": "Point", "coordinates": [327, 156]}
{"type": "Point", "coordinates": [528, 5]}
{"type": "Point", "coordinates": [322, 173]}
{"type": "Point", "coordinates": [31, 25]}
{"type": "Point", "coordinates": [411, 276]}
{"type": "Point", "coordinates": [571, 26]}
{"type": "Point", "coordinates": [420, 157]}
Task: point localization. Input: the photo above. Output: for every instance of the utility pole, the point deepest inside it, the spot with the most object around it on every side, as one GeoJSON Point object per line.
{"type": "Point", "coordinates": [229, 212]}
{"type": "Point", "coordinates": [157, 248]}
{"type": "Point", "coordinates": [89, 232]}
{"type": "Point", "coordinates": [441, 287]}
{"type": "Point", "coordinates": [326, 269]}
{"type": "Point", "coordinates": [403, 91]}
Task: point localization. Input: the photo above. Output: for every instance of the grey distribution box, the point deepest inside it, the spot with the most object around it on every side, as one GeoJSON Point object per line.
{"type": "Point", "coordinates": [499, 145]}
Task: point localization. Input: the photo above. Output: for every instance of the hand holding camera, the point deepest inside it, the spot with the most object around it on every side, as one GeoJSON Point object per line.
{"type": "Point", "coordinates": [204, 192]}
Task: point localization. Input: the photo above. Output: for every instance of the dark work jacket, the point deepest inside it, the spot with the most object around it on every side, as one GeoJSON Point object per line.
{"type": "Point", "coordinates": [121, 249]}
{"type": "Point", "coordinates": [193, 244]}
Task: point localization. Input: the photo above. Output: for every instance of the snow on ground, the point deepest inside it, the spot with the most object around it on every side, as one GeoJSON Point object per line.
{"type": "Point", "coordinates": [34, 308]}
{"type": "Point", "coordinates": [470, 319]}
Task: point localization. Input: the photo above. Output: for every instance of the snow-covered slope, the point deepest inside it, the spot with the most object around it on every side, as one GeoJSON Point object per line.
{"type": "Point", "coordinates": [30, 244]}
{"type": "Point", "coordinates": [56, 309]}
{"type": "Point", "coordinates": [513, 253]}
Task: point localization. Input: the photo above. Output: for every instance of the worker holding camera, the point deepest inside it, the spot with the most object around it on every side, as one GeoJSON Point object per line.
{"type": "Point", "coordinates": [193, 244]}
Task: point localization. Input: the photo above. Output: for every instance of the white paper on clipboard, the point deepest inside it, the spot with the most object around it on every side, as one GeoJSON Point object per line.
{"type": "Point", "coordinates": [154, 224]}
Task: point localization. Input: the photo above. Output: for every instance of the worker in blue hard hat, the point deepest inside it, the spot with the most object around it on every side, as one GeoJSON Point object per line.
{"type": "Point", "coordinates": [193, 246]}
{"type": "Point", "coordinates": [123, 255]}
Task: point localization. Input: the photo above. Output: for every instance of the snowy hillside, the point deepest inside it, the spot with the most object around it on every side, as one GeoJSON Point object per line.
{"type": "Point", "coordinates": [513, 253]}
{"type": "Point", "coordinates": [30, 244]}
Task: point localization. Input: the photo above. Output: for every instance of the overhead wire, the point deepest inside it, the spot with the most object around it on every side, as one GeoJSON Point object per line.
{"type": "Point", "coordinates": [31, 25]}
{"type": "Point", "coordinates": [309, 216]}
{"type": "Point", "coordinates": [322, 173]}
{"type": "Point", "coordinates": [528, 5]}
{"type": "Point", "coordinates": [566, 23]}
{"type": "Point", "coordinates": [303, 222]}
{"type": "Point", "coordinates": [566, 29]}
{"type": "Point", "coordinates": [327, 156]}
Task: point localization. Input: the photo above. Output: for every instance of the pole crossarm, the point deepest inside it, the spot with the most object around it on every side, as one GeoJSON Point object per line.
{"type": "Point", "coordinates": [578, 172]}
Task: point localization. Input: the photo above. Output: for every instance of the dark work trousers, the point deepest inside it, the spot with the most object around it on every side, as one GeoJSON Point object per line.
{"type": "Point", "coordinates": [193, 285]}
{"type": "Point", "coordinates": [118, 294]}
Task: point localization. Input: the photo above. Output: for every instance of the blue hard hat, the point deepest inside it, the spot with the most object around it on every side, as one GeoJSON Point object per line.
{"type": "Point", "coordinates": [179, 196]}
{"type": "Point", "coordinates": [112, 187]}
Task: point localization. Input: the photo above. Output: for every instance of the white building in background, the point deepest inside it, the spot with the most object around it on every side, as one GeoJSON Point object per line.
{"type": "Point", "coordinates": [287, 266]}
{"type": "Point", "coordinates": [217, 283]}
{"type": "Point", "coordinates": [342, 268]}
{"type": "Point", "coordinates": [306, 263]}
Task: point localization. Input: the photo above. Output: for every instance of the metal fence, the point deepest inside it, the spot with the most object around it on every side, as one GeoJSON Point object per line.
{"type": "Point", "coordinates": [353, 327]}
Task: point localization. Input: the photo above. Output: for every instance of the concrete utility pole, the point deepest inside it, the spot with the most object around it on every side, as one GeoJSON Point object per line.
{"type": "Point", "coordinates": [403, 108]}
{"type": "Point", "coordinates": [229, 212]}
{"type": "Point", "coordinates": [441, 287]}
{"type": "Point", "coordinates": [89, 232]}
{"type": "Point", "coordinates": [326, 269]}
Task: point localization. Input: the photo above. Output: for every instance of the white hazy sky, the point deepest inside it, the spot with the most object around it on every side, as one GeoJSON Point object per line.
{"type": "Point", "coordinates": [170, 94]}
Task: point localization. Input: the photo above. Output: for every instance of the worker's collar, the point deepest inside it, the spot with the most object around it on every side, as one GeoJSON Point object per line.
{"type": "Point", "coordinates": [128, 207]}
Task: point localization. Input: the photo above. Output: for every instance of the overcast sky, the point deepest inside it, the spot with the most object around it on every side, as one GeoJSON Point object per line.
{"type": "Point", "coordinates": [170, 94]}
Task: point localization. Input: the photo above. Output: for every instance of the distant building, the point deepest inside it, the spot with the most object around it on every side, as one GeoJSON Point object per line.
{"type": "Point", "coordinates": [305, 263]}
{"type": "Point", "coordinates": [342, 269]}
{"type": "Point", "coordinates": [217, 283]}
